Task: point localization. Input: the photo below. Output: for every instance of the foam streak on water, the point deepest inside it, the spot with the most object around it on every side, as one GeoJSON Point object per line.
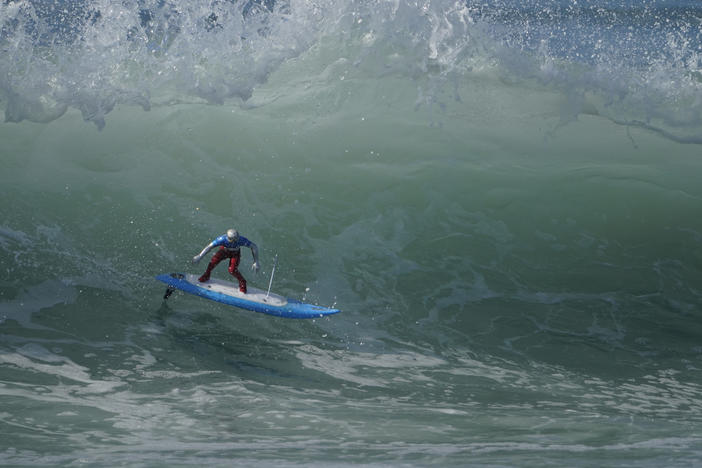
{"type": "Point", "coordinates": [502, 198]}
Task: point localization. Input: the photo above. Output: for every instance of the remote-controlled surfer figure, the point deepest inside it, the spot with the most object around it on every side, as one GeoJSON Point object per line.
{"type": "Point", "coordinates": [229, 247]}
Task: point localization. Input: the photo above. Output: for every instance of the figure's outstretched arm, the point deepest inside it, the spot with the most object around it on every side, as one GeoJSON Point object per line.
{"type": "Point", "coordinates": [199, 256]}
{"type": "Point", "coordinates": [254, 252]}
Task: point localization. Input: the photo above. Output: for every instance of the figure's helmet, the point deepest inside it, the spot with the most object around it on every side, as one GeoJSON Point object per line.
{"type": "Point", "coordinates": [232, 235]}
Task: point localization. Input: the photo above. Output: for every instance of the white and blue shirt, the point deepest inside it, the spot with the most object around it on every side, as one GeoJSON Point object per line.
{"type": "Point", "coordinates": [227, 244]}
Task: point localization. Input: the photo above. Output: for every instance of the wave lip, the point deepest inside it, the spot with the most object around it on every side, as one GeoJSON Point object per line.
{"type": "Point", "coordinates": [638, 64]}
{"type": "Point", "coordinates": [94, 57]}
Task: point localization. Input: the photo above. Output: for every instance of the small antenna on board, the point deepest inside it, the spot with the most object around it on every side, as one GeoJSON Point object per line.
{"type": "Point", "coordinates": [270, 283]}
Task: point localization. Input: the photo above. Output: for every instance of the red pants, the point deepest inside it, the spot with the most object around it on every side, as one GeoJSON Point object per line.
{"type": "Point", "coordinates": [234, 258]}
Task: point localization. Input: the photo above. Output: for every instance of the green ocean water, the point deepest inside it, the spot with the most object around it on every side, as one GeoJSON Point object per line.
{"type": "Point", "coordinates": [518, 267]}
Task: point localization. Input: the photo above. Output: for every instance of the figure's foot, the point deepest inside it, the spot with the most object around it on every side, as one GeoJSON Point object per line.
{"type": "Point", "coordinates": [242, 290]}
{"type": "Point", "coordinates": [204, 278]}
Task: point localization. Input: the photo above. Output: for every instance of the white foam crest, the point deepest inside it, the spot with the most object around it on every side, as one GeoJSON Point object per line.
{"type": "Point", "coordinates": [361, 368]}
{"type": "Point", "coordinates": [132, 52]}
{"type": "Point", "coordinates": [140, 53]}
{"type": "Point", "coordinates": [595, 56]}
{"type": "Point", "coordinates": [37, 359]}
{"type": "Point", "coordinates": [72, 385]}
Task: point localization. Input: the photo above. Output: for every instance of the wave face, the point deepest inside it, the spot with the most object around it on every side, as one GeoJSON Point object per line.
{"type": "Point", "coordinates": [502, 197]}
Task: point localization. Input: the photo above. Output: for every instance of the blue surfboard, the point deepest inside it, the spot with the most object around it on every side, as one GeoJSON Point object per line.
{"type": "Point", "coordinates": [257, 300]}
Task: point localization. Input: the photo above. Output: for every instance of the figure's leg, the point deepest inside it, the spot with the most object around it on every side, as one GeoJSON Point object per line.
{"type": "Point", "coordinates": [216, 258]}
{"type": "Point", "coordinates": [233, 269]}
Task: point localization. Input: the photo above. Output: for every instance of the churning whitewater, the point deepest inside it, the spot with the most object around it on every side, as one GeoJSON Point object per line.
{"type": "Point", "coordinates": [502, 197]}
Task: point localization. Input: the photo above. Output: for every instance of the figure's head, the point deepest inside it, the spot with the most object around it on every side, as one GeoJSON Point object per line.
{"type": "Point", "coordinates": [232, 235]}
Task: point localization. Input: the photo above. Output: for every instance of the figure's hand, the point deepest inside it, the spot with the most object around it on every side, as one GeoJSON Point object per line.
{"type": "Point", "coordinates": [255, 267]}
{"type": "Point", "coordinates": [196, 258]}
